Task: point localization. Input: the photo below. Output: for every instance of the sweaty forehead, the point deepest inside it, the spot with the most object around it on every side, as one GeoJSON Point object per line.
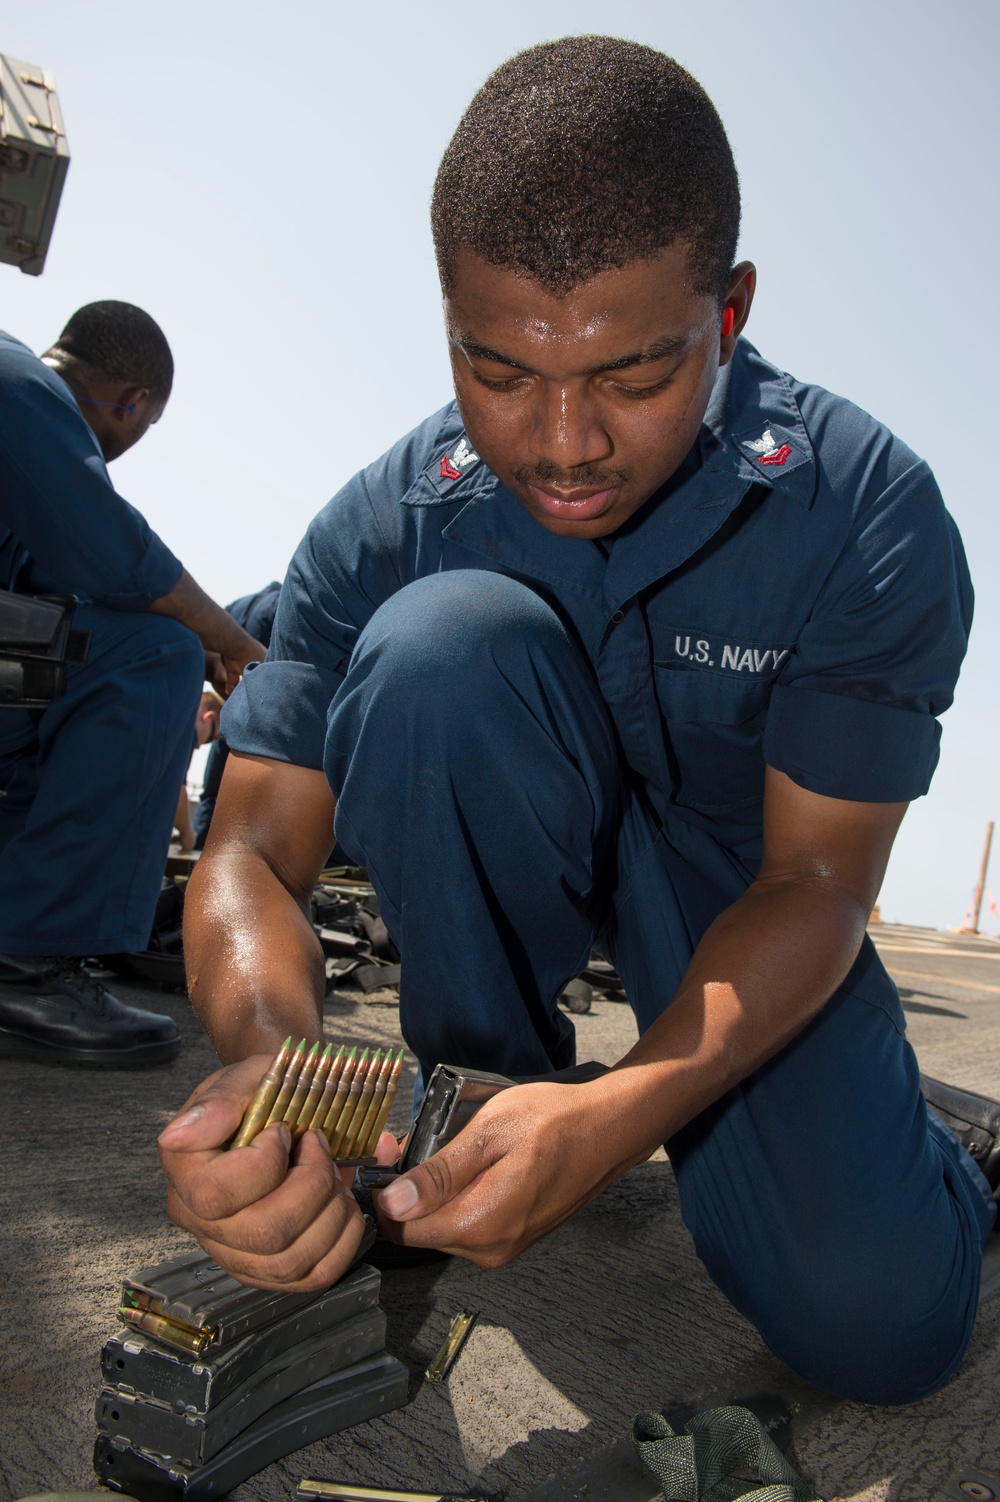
{"type": "Point", "coordinates": [648, 305]}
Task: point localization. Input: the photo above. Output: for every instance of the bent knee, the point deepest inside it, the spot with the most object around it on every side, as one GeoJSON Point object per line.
{"type": "Point", "coordinates": [873, 1339]}
{"type": "Point", "coordinates": [177, 657]}
{"type": "Point", "coordinates": [163, 634]}
{"type": "Point", "coordinates": [450, 628]}
{"type": "Point", "coordinates": [142, 638]}
{"type": "Point", "coordinates": [129, 654]}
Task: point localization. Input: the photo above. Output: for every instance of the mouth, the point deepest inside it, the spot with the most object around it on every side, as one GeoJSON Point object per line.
{"type": "Point", "coordinates": [580, 506]}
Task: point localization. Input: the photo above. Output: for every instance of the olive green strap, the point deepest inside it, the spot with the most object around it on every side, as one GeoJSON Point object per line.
{"type": "Point", "coordinates": [724, 1455]}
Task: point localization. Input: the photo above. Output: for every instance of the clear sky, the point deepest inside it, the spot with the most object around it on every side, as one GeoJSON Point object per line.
{"type": "Point", "coordinates": [257, 176]}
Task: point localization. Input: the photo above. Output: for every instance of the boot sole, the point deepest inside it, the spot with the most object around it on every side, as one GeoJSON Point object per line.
{"type": "Point", "coordinates": [138, 1056]}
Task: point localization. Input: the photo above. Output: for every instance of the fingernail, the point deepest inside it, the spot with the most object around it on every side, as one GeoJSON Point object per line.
{"type": "Point", "coordinates": [285, 1134]}
{"type": "Point", "coordinates": [186, 1118]}
{"type": "Point", "coordinates": [324, 1139]}
{"type": "Point", "coordinates": [399, 1198]}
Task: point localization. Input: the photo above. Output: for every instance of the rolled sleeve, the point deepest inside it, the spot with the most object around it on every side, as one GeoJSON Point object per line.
{"type": "Point", "coordinates": [280, 710]}
{"type": "Point", "coordinates": [854, 712]}
{"type": "Point", "coordinates": [152, 572]}
{"type": "Point", "coordinates": [850, 748]}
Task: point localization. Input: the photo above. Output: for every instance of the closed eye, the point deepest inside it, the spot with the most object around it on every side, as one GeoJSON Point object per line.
{"type": "Point", "coordinates": [641, 391]}
{"type": "Point", "coordinates": [497, 385]}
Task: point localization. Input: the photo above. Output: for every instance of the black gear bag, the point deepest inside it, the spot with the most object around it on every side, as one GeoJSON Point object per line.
{"type": "Point", "coordinates": [37, 642]}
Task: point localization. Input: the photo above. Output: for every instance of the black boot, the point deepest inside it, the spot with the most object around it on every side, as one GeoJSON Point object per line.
{"type": "Point", "coordinates": [975, 1120]}
{"type": "Point", "coordinates": [53, 1011]}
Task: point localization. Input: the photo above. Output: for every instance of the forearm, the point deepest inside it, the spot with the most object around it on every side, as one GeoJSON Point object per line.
{"type": "Point", "coordinates": [188, 603]}
{"type": "Point", "coordinates": [255, 966]}
{"type": "Point", "coordinates": [765, 967]}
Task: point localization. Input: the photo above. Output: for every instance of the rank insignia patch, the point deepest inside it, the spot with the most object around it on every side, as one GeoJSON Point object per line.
{"type": "Point", "coordinates": [766, 449]}
{"type": "Point", "coordinates": [452, 466]}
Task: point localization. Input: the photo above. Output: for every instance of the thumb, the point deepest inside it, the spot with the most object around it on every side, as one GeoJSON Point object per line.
{"type": "Point", "coordinates": [210, 1123]}
{"type": "Point", "coordinates": [424, 1189]}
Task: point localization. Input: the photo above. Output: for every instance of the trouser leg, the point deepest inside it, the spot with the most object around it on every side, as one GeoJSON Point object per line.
{"type": "Point", "coordinates": [837, 1214]}
{"type": "Point", "coordinates": [840, 1217]}
{"type": "Point", "coordinates": [85, 830]}
{"type": "Point", "coordinates": [475, 772]}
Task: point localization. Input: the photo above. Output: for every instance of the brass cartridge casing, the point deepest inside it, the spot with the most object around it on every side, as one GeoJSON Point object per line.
{"type": "Point", "coordinates": [340, 1094]}
{"type": "Point", "coordinates": [378, 1125]}
{"type": "Point", "coordinates": [308, 1111]}
{"type": "Point", "coordinates": [354, 1090]}
{"type": "Point", "coordinates": [348, 1142]}
{"type": "Point", "coordinates": [265, 1095]}
{"type": "Point", "coordinates": [183, 1337]}
{"type": "Point", "coordinates": [301, 1086]}
{"type": "Point", "coordinates": [329, 1088]}
{"type": "Point", "coordinates": [345, 1096]}
{"type": "Point", "coordinates": [292, 1069]}
{"type": "Point", "coordinates": [361, 1135]}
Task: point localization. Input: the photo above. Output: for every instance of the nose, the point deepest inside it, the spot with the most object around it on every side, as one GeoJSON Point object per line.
{"type": "Point", "coordinates": [568, 430]}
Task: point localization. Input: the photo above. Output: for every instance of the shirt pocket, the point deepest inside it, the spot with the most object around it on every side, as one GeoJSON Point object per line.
{"type": "Point", "coordinates": [713, 726]}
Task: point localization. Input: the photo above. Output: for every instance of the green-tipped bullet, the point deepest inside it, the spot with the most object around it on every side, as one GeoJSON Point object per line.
{"type": "Point", "coordinates": [366, 1148]}
{"type": "Point", "coordinates": [315, 1093]}
{"type": "Point", "coordinates": [329, 1089]}
{"type": "Point", "coordinates": [259, 1109]}
{"type": "Point", "coordinates": [348, 1142]}
{"type": "Point", "coordinates": [364, 1119]}
{"type": "Point", "coordinates": [301, 1086]}
{"type": "Point", "coordinates": [292, 1071]}
{"type": "Point", "coordinates": [357, 1081]}
{"type": "Point", "coordinates": [347, 1100]}
{"type": "Point", "coordinates": [332, 1116]}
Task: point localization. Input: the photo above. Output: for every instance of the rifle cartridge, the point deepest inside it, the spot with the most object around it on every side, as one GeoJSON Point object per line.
{"type": "Point", "coordinates": [265, 1095]}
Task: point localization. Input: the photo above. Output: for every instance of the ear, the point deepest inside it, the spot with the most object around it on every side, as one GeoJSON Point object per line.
{"type": "Point", "coordinates": [737, 302]}
{"type": "Point", "coordinates": [130, 403]}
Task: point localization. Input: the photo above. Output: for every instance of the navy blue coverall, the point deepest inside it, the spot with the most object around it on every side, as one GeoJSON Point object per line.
{"type": "Point", "coordinates": [88, 786]}
{"type": "Point", "coordinates": [537, 742]}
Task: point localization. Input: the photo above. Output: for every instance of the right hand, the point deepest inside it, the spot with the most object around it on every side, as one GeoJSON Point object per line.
{"type": "Point", "coordinates": [228, 647]}
{"type": "Point", "coordinates": [226, 657]}
{"type": "Point", "coordinates": [273, 1216]}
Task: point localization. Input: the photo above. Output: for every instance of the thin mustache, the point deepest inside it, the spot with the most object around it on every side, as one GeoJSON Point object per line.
{"type": "Point", "coordinates": [542, 475]}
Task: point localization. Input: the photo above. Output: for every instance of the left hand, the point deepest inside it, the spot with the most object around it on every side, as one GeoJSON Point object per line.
{"type": "Point", "coordinates": [529, 1159]}
{"type": "Point", "coordinates": [270, 1214]}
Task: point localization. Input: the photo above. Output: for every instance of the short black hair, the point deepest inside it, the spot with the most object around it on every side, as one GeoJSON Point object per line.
{"type": "Point", "coordinates": [586, 154]}
{"type": "Point", "coordinates": [121, 343]}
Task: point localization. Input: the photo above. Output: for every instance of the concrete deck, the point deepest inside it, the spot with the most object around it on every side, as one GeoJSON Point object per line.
{"type": "Point", "coordinates": [569, 1342]}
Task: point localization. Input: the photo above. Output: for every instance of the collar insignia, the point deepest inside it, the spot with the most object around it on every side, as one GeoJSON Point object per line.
{"type": "Point", "coordinates": [766, 450]}
{"type": "Point", "coordinates": [453, 464]}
